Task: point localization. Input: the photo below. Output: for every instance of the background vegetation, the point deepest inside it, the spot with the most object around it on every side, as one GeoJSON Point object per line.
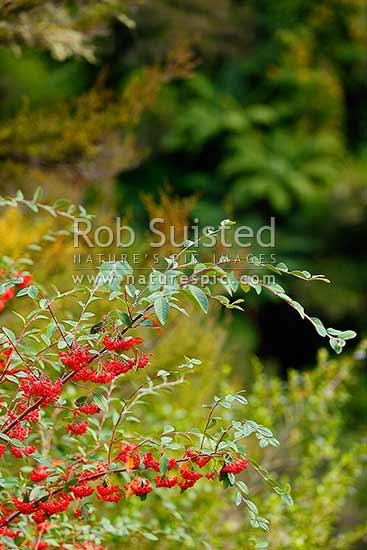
{"type": "Point", "coordinates": [240, 109]}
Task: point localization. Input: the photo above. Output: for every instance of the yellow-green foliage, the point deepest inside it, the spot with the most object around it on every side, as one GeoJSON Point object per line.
{"type": "Point", "coordinates": [323, 466]}
{"type": "Point", "coordinates": [196, 337]}
{"type": "Point", "coordinates": [20, 232]}
{"type": "Point", "coordinates": [64, 29]}
{"type": "Point", "coordinates": [42, 241]}
{"type": "Point", "coordinates": [89, 139]}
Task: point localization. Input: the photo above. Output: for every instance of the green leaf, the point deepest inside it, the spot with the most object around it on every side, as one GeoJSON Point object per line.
{"type": "Point", "coordinates": [337, 344]}
{"type": "Point", "coordinates": [200, 297]}
{"type": "Point", "coordinates": [298, 307]}
{"type": "Point", "coordinates": [84, 508]}
{"type": "Point", "coordinates": [163, 372]}
{"type": "Point", "coordinates": [111, 273]}
{"type": "Point", "coordinates": [31, 291]}
{"type": "Point", "coordinates": [10, 334]}
{"type": "Point", "coordinates": [242, 485]}
{"type": "Point", "coordinates": [43, 303]}
{"type": "Point", "coordinates": [240, 399]}
{"type": "Point", "coordinates": [38, 492]}
{"type": "Point", "coordinates": [318, 326]}
{"type": "Point", "coordinates": [150, 536]}
{"type": "Point", "coordinates": [37, 195]}
{"type": "Point", "coordinates": [282, 266]}
{"type": "Point", "coordinates": [345, 335]}
{"type": "Point", "coordinates": [287, 499]}
{"type": "Point", "coordinates": [256, 286]}
{"type": "Point", "coordinates": [12, 379]}
{"type": "Point", "coordinates": [15, 443]}
{"type": "Point", "coordinates": [100, 401]}
{"type": "Point", "coordinates": [32, 206]}
{"type": "Point", "coordinates": [245, 287]}
{"type": "Point", "coordinates": [60, 203]}
{"type": "Point", "coordinates": [161, 308]}
{"type": "Point", "coordinates": [348, 334]}
{"type": "Point", "coordinates": [225, 480]}
{"type": "Point", "coordinates": [301, 274]}
{"type": "Point", "coordinates": [251, 506]}
{"type": "Point", "coordinates": [9, 482]}
{"type": "Point", "coordinates": [61, 344]}
{"type": "Point", "coordinates": [163, 465]}
{"type": "Point", "coordinates": [276, 288]}
{"type": "Point", "coordinates": [131, 290]}
{"type": "Point", "coordinates": [124, 317]}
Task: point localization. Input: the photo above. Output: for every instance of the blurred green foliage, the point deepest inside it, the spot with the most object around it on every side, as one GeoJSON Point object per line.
{"type": "Point", "coordinates": [272, 124]}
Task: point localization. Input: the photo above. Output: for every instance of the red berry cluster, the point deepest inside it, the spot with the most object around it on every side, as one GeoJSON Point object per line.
{"type": "Point", "coordinates": [130, 456]}
{"type": "Point", "coordinates": [41, 386]}
{"type": "Point", "coordinates": [114, 367]}
{"type": "Point", "coordinates": [79, 428]}
{"type": "Point", "coordinates": [106, 371]}
{"type": "Point", "coordinates": [139, 487]}
{"type": "Point", "coordinates": [81, 490]}
{"type": "Point", "coordinates": [166, 481]}
{"type": "Point", "coordinates": [53, 506]}
{"type": "Point", "coordinates": [4, 356]}
{"type": "Point", "coordinates": [43, 527]}
{"type": "Point", "coordinates": [121, 344]}
{"type": "Point", "coordinates": [189, 477]}
{"type": "Point", "coordinates": [9, 292]}
{"type": "Point", "coordinates": [109, 493]}
{"type": "Point", "coordinates": [150, 462]}
{"type": "Point", "coordinates": [24, 451]}
{"type": "Point", "coordinates": [20, 407]}
{"type": "Point", "coordinates": [5, 532]}
{"type": "Point", "coordinates": [172, 463]}
{"type": "Point", "coordinates": [77, 357]}
{"type": "Point", "coordinates": [143, 361]}
{"type": "Point", "coordinates": [200, 459]}
{"type": "Point", "coordinates": [235, 467]}
{"type": "Point", "coordinates": [20, 432]}
{"type": "Point", "coordinates": [39, 474]}
{"type": "Point", "coordinates": [24, 507]}
{"type": "Point", "coordinates": [89, 409]}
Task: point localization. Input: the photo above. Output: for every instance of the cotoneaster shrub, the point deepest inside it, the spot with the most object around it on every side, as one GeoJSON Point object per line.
{"type": "Point", "coordinates": [68, 383]}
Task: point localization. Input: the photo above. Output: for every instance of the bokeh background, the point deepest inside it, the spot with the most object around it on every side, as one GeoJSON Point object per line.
{"type": "Point", "coordinates": [236, 109]}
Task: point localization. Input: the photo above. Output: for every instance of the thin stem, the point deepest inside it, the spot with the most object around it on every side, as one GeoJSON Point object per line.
{"type": "Point", "coordinates": [58, 325]}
